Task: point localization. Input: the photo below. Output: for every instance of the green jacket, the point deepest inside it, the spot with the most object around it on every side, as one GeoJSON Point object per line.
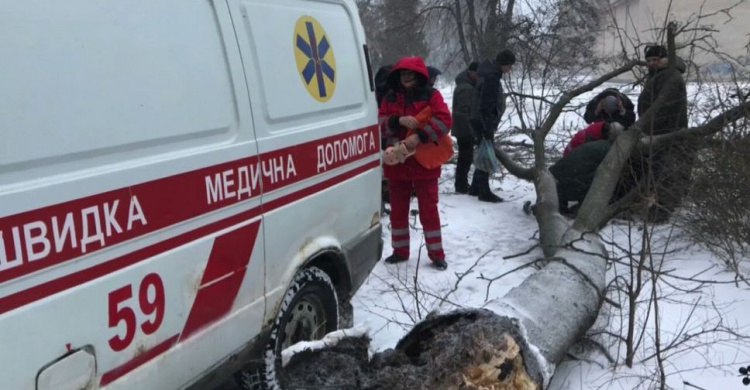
{"type": "Point", "coordinates": [665, 88]}
{"type": "Point", "coordinates": [463, 100]}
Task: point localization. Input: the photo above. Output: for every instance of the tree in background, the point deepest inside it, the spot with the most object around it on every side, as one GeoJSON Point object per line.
{"type": "Point", "coordinates": [394, 29]}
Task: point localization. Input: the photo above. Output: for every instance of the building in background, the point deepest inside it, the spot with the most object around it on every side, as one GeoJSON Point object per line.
{"type": "Point", "coordinates": [632, 23]}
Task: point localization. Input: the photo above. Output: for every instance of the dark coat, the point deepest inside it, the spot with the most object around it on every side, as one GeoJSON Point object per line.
{"type": "Point", "coordinates": [665, 88]}
{"type": "Point", "coordinates": [575, 172]}
{"type": "Point", "coordinates": [398, 103]}
{"type": "Point", "coordinates": [667, 169]}
{"type": "Point", "coordinates": [625, 119]}
{"type": "Point", "coordinates": [490, 99]}
{"type": "Point", "coordinates": [463, 100]}
{"type": "Point", "coordinates": [381, 82]}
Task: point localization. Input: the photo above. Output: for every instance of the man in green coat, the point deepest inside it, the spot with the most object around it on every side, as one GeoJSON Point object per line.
{"type": "Point", "coordinates": [463, 101]}
{"type": "Point", "coordinates": [662, 108]}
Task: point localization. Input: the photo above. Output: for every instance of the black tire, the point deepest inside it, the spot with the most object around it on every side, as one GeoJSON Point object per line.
{"type": "Point", "coordinates": [309, 311]}
{"type": "Point", "coordinates": [346, 314]}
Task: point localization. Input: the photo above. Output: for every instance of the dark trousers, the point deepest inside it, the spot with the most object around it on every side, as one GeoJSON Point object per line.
{"type": "Point", "coordinates": [463, 165]}
{"type": "Point", "coordinates": [480, 183]}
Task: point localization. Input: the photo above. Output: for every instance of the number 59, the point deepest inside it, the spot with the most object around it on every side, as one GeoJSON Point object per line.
{"type": "Point", "coordinates": [149, 305]}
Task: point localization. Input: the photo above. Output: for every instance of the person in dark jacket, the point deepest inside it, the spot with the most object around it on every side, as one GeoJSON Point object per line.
{"type": "Point", "coordinates": [662, 109]}
{"type": "Point", "coordinates": [381, 89]}
{"type": "Point", "coordinates": [666, 86]}
{"type": "Point", "coordinates": [575, 172]}
{"type": "Point", "coordinates": [610, 105]}
{"type": "Point", "coordinates": [433, 74]}
{"type": "Point", "coordinates": [409, 95]}
{"type": "Point", "coordinates": [381, 82]}
{"type": "Point", "coordinates": [489, 110]}
{"type": "Point", "coordinates": [463, 101]}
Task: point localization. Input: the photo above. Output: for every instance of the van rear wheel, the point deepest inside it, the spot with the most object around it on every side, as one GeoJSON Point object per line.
{"type": "Point", "coordinates": [309, 311]}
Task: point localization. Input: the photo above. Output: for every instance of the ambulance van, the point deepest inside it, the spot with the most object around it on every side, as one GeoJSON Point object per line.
{"type": "Point", "coordinates": [186, 188]}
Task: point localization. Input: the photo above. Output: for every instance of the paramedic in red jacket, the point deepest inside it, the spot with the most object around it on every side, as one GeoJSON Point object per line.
{"type": "Point", "coordinates": [409, 94]}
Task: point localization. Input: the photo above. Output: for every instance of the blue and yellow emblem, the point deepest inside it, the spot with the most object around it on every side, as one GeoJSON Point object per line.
{"type": "Point", "coordinates": [314, 55]}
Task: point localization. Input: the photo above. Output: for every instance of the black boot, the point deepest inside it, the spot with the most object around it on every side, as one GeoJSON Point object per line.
{"type": "Point", "coordinates": [490, 197]}
{"type": "Point", "coordinates": [394, 258]}
{"type": "Point", "coordinates": [474, 187]}
{"type": "Point", "coordinates": [483, 185]}
{"type": "Point", "coordinates": [440, 264]}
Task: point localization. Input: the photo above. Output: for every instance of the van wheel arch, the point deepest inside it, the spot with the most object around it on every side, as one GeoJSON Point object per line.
{"type": "Point", "coordinates": [325, 268]}
{"type": "Point", "coordinates": [333, 263]}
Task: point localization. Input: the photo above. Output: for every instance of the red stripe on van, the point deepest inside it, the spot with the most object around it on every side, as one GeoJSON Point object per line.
{"type": "Point", "coordinates": [222, 279]}
{"type": "Point", "coordinates": [44, 290]}
{"type": "Point", "coordinates": [144, 208]}
{"type": "Point", "coordinates": [112, 375]}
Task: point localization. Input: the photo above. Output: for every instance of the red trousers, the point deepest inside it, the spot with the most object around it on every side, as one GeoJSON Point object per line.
{"type": "Point", "coordinates": [427, 199]}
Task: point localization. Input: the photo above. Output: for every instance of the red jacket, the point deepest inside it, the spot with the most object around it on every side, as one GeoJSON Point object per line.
{"type": "Point", "coordinates": [398, 103]}
{"type": "Point", "coordinates": [592, 133]}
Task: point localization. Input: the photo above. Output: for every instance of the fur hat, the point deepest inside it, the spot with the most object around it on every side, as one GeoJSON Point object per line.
{"type": "Point", "coordinates": [656, 51]}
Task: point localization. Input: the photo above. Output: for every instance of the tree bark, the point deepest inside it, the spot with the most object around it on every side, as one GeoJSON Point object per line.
{"type": "Point", "coordinates": [458, 15]}
{"type": "Point", "coordinates": [474, 29]}
{"type": "Point", "coordinates": [507, 24]}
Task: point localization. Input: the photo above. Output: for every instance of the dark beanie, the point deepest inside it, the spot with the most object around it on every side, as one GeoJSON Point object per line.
{"type": "Point", "coordinates": [505, 57]}
{"type": "Point", "coordinates": [433, 71]}
{"type": "Point", "coordinates": [474, 66]}
{"type": "Point", "coordinates": [656, 51]}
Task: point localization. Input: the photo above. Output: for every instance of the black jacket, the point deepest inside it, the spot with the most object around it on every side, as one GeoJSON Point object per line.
{"type": "Point", "coordinates": [463, 100]}
{"type": "Point", "coordinates": [381, 82]}
{"type": "Point", "coordinates": [665, 88]}
{"type": "Point", "coordinates": [490, 99]}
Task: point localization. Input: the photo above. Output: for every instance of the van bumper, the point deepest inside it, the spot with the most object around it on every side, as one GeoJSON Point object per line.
{"type": "Point", "coordinates": [362, 254]}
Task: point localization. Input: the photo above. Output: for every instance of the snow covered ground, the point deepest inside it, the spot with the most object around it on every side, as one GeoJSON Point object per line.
{"type": "Point", "coordinates": [491, 248]}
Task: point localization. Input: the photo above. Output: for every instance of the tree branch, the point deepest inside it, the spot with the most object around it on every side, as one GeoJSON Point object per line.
{"type": "Point", "coordinates": [515, 169]}
{"type": "Point", "coordinates": [713, 126]}
{"type": "Point", "coordinates": [523, 95]}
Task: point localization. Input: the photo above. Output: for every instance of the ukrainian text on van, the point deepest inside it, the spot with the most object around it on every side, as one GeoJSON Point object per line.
{"type": "Point", "coordinates": [185, 186]}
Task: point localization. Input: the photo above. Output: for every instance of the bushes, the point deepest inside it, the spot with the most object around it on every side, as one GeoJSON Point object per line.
{"type": "Point", "coordinates": [719, 202]}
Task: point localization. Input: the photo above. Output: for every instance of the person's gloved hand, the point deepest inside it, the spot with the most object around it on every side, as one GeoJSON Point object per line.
{"type": "Point", "coordinates": [411, 142]}
{"type": "Point", "coordinates": [409, 122]}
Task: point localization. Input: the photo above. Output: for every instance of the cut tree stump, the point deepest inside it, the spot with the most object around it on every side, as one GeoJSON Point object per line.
{"type": "Point", "coordinates": [465, 349]}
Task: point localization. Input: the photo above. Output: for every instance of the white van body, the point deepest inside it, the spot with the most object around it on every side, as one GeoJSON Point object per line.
{"type": "Point", "coordinates": [166, 168]}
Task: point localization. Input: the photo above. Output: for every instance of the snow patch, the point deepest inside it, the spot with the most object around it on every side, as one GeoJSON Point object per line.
{"type": "Point", "coordinates": [330, 340]}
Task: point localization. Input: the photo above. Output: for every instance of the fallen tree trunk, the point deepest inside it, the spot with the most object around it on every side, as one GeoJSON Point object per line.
{"type": "Point", "coordinates": [514, 346]}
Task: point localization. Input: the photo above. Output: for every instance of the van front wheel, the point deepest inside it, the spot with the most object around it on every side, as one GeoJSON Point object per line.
{"type": "Point", "coordinates": [308, 312]}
